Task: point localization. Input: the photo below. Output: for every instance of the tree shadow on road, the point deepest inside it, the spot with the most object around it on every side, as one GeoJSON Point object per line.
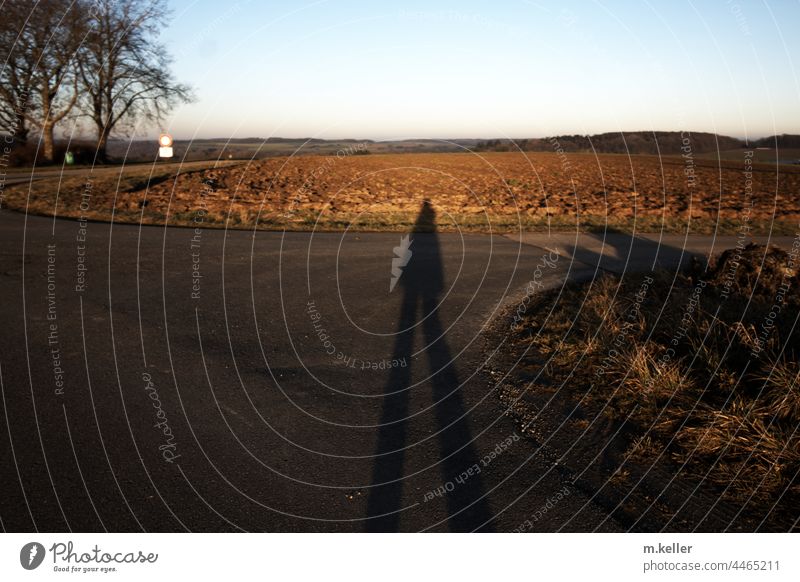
{"type": "Point", "coordinates": [422, 281]}
{"type": "Point", "coordinates": [622, 252]}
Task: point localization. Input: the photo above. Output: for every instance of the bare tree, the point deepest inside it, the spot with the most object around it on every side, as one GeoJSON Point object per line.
{"type": "Point", "coordinates": [124, 69]}
{"type": "Point", "coordinates": [16, 74]}
{"type": "Point", "coordinates": [56, 29]}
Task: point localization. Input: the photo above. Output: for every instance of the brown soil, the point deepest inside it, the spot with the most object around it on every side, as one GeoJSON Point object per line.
{"type": "Point", "coordinates": [474, 191]}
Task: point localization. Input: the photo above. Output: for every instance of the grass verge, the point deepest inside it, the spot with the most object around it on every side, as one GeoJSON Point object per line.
{"type": "Point", "coordinates": [698, 370]}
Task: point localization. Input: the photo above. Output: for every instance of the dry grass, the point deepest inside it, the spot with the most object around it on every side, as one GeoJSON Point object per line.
{"type": "Point", "coordinates": [686, 381]}
{"type": "Point", "coordinates": [782, 393]}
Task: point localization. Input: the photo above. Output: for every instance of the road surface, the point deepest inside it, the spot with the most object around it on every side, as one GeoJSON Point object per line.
{"type": "Point", "coordinates": [26, 175]}
{"type": "Point", "coordinates": [176, 379]}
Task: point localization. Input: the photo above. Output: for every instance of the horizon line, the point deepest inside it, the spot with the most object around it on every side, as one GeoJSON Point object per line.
{"type": "Point", "coordinates": [460, 139]}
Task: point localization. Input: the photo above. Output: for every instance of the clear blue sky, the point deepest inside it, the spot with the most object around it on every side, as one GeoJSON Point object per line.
{"type": "Point", "coordinates": [383, 70]}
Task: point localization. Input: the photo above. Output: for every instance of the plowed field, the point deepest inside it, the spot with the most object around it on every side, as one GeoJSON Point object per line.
{"type": "Point", "coordinates": [498, 191]}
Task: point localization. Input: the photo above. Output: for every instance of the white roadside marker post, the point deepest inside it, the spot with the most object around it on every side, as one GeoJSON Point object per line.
{"type": "Point", "coordinates": [165, 146]}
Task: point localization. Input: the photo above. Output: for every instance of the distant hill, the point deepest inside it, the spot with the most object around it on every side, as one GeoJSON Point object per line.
{"type": "Point", "coordinates": [634, 142]}
{"type": "Point", "coordinates": [260, 148]}
{"type": "Point", "coordinates": [783, 141]}
{"type": "Point", "coordinates": [709, 145]}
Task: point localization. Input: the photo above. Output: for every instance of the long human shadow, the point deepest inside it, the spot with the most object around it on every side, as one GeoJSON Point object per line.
{"type": "Point", "coordinates": [422, 281]}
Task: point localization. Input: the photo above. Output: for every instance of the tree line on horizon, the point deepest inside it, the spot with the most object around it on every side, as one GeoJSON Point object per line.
{"type": "Point", "coordinates": [636, 142]}
{"type": "Point", "coordinates": [97, 61]}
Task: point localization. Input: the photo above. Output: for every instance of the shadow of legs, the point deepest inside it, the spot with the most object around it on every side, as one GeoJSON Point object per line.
{"type": "Point", "coordinates": [387, 475]}
{"type": "Point", "coordinates": [455, 441]}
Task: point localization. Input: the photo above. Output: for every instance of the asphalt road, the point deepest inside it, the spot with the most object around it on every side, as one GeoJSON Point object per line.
{"type": "Point", "coordinates": [170, 379]}
{"type": "Point", "coordinates": [26, 175]}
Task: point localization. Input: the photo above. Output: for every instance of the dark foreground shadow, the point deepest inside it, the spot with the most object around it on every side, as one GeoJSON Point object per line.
{"type": "Point", "coordinates": [625, 252]}
{"type": "Point", "coordinates": [422, 282]}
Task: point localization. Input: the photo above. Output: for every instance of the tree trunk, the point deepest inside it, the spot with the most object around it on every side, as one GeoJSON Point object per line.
{"type": "Point", "coordinates": [49, 143]}
{"type": "Point", "coordinates": [102, 144]}
{"type": "Point", "coordinates": [21, 130]}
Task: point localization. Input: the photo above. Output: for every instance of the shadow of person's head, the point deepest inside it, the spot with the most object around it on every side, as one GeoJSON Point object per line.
{"type": "Point", "coordinates": [423, 275]}
{"type": "Point", "coordinates": [426, 219]}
